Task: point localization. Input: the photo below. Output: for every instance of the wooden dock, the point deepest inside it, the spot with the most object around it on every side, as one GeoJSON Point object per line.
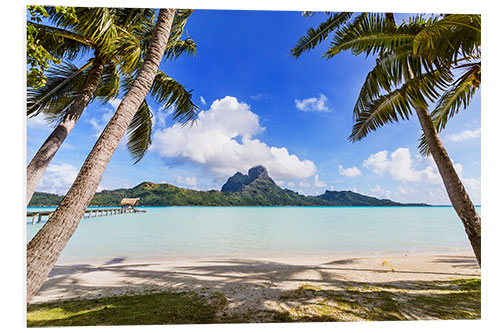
{"type": "Point", "coordinates": [37, 217]}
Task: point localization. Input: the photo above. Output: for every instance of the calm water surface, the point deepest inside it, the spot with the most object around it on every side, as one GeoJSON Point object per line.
{"type": "Point", "coordinates": [173, 232]}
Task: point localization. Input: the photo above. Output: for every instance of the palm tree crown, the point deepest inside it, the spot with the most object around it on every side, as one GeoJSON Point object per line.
{"type": "Point", "coordinates": [120, 36]}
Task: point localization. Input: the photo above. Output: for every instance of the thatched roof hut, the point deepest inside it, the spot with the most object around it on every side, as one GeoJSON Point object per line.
{"type": "Point", "coordinates": [129, 202]}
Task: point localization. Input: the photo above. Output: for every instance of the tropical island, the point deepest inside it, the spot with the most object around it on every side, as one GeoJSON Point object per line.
{"type": "Point", "coordinates": [254, 189]}
{"type": "Point", "coordinates": [106, 79]}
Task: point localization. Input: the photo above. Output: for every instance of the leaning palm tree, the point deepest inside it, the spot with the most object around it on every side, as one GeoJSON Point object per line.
{"type": "Point", "coordinates": [416, 66]}
{"type": "Point", "coordinates": [118, 38]}
{"type": "Point", "coordinates": [44, 249]}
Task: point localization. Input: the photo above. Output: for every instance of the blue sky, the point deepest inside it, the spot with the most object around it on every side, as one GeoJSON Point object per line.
{"type": "Point", "coordinates": [261, 106]}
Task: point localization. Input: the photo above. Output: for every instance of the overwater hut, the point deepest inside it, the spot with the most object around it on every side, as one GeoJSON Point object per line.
{"type": "Point", "coordinates": [132, 202]}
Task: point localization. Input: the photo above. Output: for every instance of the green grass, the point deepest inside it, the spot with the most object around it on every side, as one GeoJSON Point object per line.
{"type": "Point", "coordinates": [449, 299]}
{"type": "Point", "coordinates": [152, 309]}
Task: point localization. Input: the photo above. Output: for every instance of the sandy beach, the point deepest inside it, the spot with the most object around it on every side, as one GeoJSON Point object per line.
{"type": "Point", "coordinates": [253, 286]}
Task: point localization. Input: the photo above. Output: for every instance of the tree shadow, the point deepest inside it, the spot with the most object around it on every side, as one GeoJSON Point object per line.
{"type": "Point", "coordinates": [259, 290]}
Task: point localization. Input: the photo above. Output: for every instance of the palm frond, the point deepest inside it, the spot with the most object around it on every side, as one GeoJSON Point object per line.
{"type": "Point", "coordinates": [139, 132]}
{"type": "Point", "coordinates": [64, 81]}
{"type": "Point", "coordinates": [388, 73]}
{"type": "Point", "coordinates": [398, 104]}
{"type": "Point", "coordinates": [169, 92]}
{"type": "Point", "coordinates": [94, 23]}
{"type": "Point", "coordinates": [315, 36]}
{"type": "Point", "coordinates": [386, 109]}
{"type": "Point", "coordinates": [62, 43]}
{"type": "Point", "coordinates": [423, 146]}
{"type": "Point", "coordinates": [109, 85]}
{"type": "Point", "coordinates": [456, 98]}
{"type": "Point", "coordinates": [449, 38]}
{"type": "Point", "coordinates": [371, 34]}
{"type": "Point", "coordinates": [175, 48]}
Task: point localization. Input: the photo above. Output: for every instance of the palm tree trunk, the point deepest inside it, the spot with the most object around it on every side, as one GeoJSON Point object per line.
{"type": "Point", "coordinates": [41, 160]}
{"type": "Point", "coordinates": [44, 249]}
{"type": "Point", "coordinates": [454, 187]}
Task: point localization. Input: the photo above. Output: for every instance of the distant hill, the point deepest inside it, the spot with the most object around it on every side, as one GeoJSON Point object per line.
{"type": "Point", "coordinates": [254, 189]}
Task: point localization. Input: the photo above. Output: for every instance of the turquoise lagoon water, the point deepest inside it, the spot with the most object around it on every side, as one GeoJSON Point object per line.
{"type": "Point", "coordinates": [207, 232]}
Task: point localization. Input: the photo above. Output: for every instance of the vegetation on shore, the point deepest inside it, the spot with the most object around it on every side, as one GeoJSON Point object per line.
{"type": "Point", "coordinates": [444, 299]}
{"type": "Point", "coordinates": [258, 193]}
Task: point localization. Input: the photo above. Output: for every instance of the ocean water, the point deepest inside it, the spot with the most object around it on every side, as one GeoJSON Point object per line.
{"type": "Point", "coordinates": [207, 232]}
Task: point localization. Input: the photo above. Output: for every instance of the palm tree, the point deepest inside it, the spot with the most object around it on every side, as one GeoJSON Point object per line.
{"type": "Point", "coordinates": [44, 249]}
{"type": "Point", "coordinates": [416, 66]}
{"type": "Point", "coordinates": [118, 38]}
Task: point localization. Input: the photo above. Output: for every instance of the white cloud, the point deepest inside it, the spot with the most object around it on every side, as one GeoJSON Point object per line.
{"type": "Point", "coordinates": [400, 167]}
{"type": "Point", "coordinates": [280, 182]}
{"type": "Point", "coordinates": [261, 96]}
{"type": "Point", "coordinates": [349, 172]}
{"type": "Point", "coordinates": [406, 190]}
{"type": "Point", "coordinates": [313, 104]}
{"type": "Point", "coordinates": [304, 184]}
{"type": "Point", "coordinates": [383, 193]}
{"type": "Point", "coordinates": [58, 178]}
{"type": "Point", "coordinates": [99, 123]}
{"type": "Point", "coordinates": [203, 100]}
{"type": "Point", "coordinates": [190, 182]}
{"type": "Point", "coordinates": [291, 184]}
{"type": "Point", "coordinates": [463, 136]}
{"type": "Point", "coordinates": [38, 122]}
{"type": "Point", "coordinates": [160, 116]}
{"type": "Point", "coordinates": [317, 182]}
{"type": "Point", "coordinates": [222, 142]}
{"type": "Point", "coordinates": [115, 103]}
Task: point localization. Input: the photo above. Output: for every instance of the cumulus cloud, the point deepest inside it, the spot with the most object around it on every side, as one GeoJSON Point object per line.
{"type": "Point", "coordinates": [383, 193]}
{"type": "Point", "coordinates": [291, 184]}
{"type": "Point", "coordinates": [160, 116]}
{"type": "Point", "coordinates": [313, 104]}
{"type": "Point", "coordinates": [400, 167]}
{"type": "Point", "coordinates": [317, 182]}
{"type": "Point", "coordinates": [38, 122]}
{"type": "Point", "coordinates": [304, 184]}
{"type": "Point", "coordinates": [349, 172]}
{"type": "Point", "coordinates": [222, 141]}
{"type": "Point", "coordinates": [58, 178]}
{"type": "Point", "coordinates": [190, 182]}
{"type": "Point", "coordinates": [463, 136]}
{"type": "Point", "coordinates": [261, 97]}
{"type": "Point", "coordinates": [98, 123]}
{"type": "Point", "coordinates": [115, 103]}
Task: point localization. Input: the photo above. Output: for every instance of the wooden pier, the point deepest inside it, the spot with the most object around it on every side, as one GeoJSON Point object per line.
{"type": "Point", "coordinates": [126, 208]}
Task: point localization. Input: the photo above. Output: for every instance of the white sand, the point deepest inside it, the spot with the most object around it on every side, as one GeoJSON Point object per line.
{"type": "Point", "coordinates": [250, 285]}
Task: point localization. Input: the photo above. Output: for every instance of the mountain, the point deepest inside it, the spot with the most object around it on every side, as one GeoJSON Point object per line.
{"type": "Point", "coordinates": [254, 189]}
{"type": "Point", "coordinates": [238, 182]}
{"type": "Point", "coordinates": [349, 198]}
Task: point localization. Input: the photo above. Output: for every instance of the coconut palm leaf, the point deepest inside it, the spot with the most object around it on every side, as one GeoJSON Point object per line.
{"type": "Point", "coordinates": [380, 112]}
{"type": "Point", "coordinates": [92, 22]}
{"type": "Point", "coordinates": [456, 98]}
{"type": "Point", "coordinates": [372, 34]}
{"type": "Point", "coordinates": [398, 104]}
{"type": "Point", "coordinates": [139, 132]}
{"type": "Point", "coordinates": [64, 82]}
{"type": "Point", "coordinates": [176, 48]}
{"type": "Point", "coordinates": [388, 73]}
{"type": "Point", "coordinates": [62, 43]}
{"type": "Point", "coordinates": [449, 38]}
{"type": "Point", "coordinates": [169, 92]}
{"type": "Point", "coordinates": [315, 36]}
{"type": "Point", "coordinates": [109, 86]}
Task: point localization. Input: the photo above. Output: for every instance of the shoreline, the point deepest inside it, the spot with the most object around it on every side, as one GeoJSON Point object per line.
{"type": "Point", "coordinates": [240, 277]}
{"type": "Point", "coordinates": [284, 257]}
